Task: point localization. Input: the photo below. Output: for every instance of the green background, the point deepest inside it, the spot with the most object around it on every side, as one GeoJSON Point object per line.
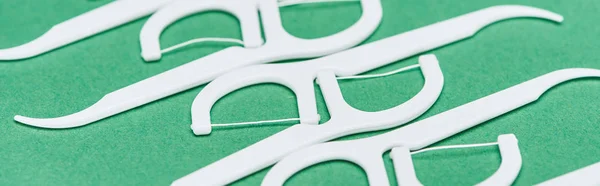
{"type": "Point", "coordinates": [153, 145]}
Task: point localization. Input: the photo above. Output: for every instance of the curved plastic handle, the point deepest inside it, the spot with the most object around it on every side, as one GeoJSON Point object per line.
{"type": "Point", "coordinates": [245, 10]}
{"type": "Point", "coordinates": [273, 148]}
{"type": "Point", "coordinates": [296, 76]}
{"type": "Point", "coordinates": [300, 80]}
{"type": "Point", "coordinates": [88, 24]}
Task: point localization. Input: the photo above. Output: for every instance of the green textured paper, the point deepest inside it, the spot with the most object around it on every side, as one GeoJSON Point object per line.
{"type": "Point", "coordinates": [153, 144]}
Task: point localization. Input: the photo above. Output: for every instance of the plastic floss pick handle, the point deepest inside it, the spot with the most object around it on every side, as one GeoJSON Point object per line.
{"type": "Point", "coordinates": [344, 120]}
{"type": "Point", "coordinates": [279, 46]}
{"type": "Point", "coordinates": [299, 76]}
{"type": "Point", "coordinates": [367, 152]}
